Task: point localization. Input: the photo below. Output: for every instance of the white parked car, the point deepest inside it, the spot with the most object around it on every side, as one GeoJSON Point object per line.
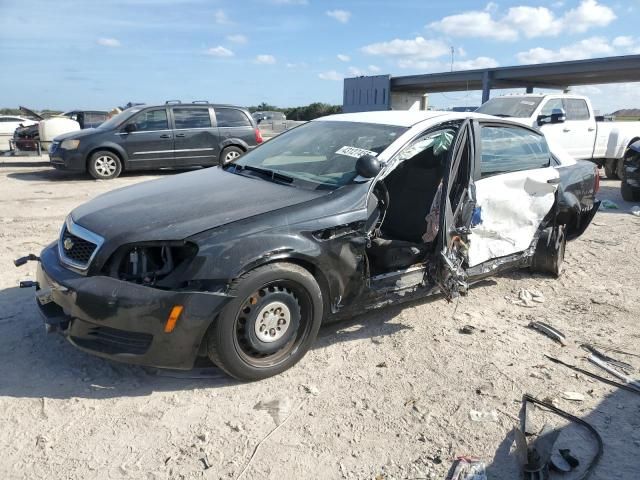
{"type": "Point", "coordinates": [568, 121]}
{"type": "Point", "coordinates": [8, 125]}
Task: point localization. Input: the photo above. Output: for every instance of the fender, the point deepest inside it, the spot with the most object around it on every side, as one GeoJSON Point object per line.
{"type": "Point", "coordinates": [236, 142]}
{"type": "Point", "coordinates": [113, 147]}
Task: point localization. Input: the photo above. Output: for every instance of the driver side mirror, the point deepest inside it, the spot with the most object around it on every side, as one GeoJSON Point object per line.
{"type": "Point", "coordinates": [558, 115]}
{"type": "Point", "coordinates": [368, 166]}
{"type": "Point", "coordinates": [130, 127]}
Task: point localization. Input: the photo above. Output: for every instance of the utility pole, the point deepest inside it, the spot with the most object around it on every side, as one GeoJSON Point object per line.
{"type": "Point", "coordinates": [452, 53]}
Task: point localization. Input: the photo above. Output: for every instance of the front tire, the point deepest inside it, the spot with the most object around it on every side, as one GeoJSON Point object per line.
{"type": "Point", "coordinates": [269, 325]}
{"type": "Point", "coordinates": [230, 154]}
{"type": "Point", "coordinates": [104, 165]}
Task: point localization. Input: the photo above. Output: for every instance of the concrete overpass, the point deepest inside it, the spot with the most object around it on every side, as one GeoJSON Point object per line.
{"type": "Point", "coordinates": [374, 92]}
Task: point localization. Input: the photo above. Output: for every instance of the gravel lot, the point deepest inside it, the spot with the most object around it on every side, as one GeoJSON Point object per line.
{"type": "Point", "coordinates": [384, 395]}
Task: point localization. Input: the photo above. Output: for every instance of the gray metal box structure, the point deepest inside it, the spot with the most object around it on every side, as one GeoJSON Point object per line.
{"type": "Point", "coordinates": [366, 94]}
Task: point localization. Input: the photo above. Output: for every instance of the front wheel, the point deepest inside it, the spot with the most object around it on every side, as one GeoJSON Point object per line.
{"type": "Point", "coordinates": [104, 165]}
{"type": "Point", "coordinates": [269, 325]}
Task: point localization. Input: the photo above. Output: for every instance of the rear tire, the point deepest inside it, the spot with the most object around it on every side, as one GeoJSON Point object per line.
{"type": "Point", "coordinates": [230, 154]}
{"type": "Point", "coordinates": [270, 323]}
{"type": "Point", "coordinates": [628, 194]}
{"type": "Point", "coordinates": [611, 169]}
{"type": "Point", "coordinates": [104, 165]}
{"type": "Point", "coordinates": [549, 254]}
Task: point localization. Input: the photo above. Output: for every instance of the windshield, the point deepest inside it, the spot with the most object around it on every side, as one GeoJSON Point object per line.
{"type": "Point", "coordinates": [317, 155]}
{"type": "Point", "coordinates": [119, 118]}
{"type": "Point", "coordinates": [518, 107]}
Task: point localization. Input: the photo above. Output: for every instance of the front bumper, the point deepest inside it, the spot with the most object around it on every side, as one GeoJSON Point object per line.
{"type": "Point", "coordinates": [62, 159]}
{"type": "Point", "coordinates": [120, 320]}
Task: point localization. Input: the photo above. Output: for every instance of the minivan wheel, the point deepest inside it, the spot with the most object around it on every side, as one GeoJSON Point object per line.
{"type": "Point", "coordinates": [104, 165]}
{"type": "Point", "coordinates": [270, 323]}
{"type": "Point", "coordinates": [230, 154]}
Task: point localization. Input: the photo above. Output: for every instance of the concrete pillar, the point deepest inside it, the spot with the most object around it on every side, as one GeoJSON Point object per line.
{"type": "Point", "coordinates": [486, 86]}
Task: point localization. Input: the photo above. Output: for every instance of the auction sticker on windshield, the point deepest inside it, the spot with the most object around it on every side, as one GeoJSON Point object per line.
{"type": "Point", "coordinates": [355, 152]}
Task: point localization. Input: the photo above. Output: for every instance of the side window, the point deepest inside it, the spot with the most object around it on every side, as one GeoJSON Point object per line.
{"type": "Point", "coordinates": [151, 120]}
{"type": "Point", "coordinates": [231, 117]}
{"type": "Point", "coordinates": [95, 118]}
{"type": "Point", "coordinates": [576, 109]}
{"type": "Point", "coordinates": [511, 149]}
{"type": "Point", "coordinates": [551, 105]}
{"type": "Point", "coordinates": [192, 117]}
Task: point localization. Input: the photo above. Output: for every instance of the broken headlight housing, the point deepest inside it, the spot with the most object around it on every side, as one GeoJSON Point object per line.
{"type": "Point", "coordinates": [156, 264]}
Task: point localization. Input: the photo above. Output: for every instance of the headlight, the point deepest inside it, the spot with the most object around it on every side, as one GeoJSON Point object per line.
{"type": "Point", "coordinates": [70, 144]}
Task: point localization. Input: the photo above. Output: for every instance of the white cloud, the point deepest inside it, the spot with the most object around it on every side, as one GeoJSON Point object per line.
{"type": "Point", "coordinates": [443, 66]}
{"type": "Point", "coordinates": [331, 75]}
{"type": "Point", "coordinates": [265, 59]}
{"type": "Point", "coordinates": [296, 65]}
{"type": "Point", "coordinates": [343, 58]}
{"type": "Point", "coordinates": [588, 14]}
{"type": "Point", "coordinates": [525, 21]}
{"type": "Point", "coordinates": [341, 16]}
{"type": "Point", "coordinates": [355, 72]}
{"type": "Point", "coordinates": [587, 48]}
{"type": "Point", "coordinates": [109, 42]}
{"type": "Point", "coordinates": [219, 51]}
{"type": "Point", "coordinates": [238, 38]}
{"type": "Point", "coordinates": [474, 24]}
{"type": "Point", "coordinates": [373, 68]}
{"type": "Point", "coordinates": [418, 48]}
{"type": "Point", "coordinates": [623, 41]}
{"type": "Point", "coordinates": [221, 17]}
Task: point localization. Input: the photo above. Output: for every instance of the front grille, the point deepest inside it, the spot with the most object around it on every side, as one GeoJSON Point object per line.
{"type": "Point", "coordinates": [77, 249]}
{"type": "Point", "coordinates": [77, 246]}
{"type": "Point", "coordinates": [113, 341]}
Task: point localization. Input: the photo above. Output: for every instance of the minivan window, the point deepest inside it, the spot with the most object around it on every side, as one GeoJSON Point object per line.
{"type": "Point", "coordinates": [150, 120]}
{"type": "Point", "coordinates": [511, 149]}
{"type": "Point", "coordinates": [576, 109]}
{"type": "Point", "coordinates": [231, 117]}
{"type": "Point", "coordinates": [192, 117]}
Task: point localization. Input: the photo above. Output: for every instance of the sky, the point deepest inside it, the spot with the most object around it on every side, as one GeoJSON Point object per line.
{"type": "Point", "coordinates": [67, 54]}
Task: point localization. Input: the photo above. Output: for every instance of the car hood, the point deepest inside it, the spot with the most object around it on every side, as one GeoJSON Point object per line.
{"type": "Point", "coordinates": [75, 134]}
{"type": "Point", "coordinates": [179, 206]}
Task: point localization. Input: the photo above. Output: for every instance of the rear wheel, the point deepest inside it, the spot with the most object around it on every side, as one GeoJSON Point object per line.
{"type": "Point", "coordinates": [104, 165]}
{"type": "Point", "coordinates": [269, 325]}
{"type": "Point", "coordinates": [230, 154]}
{"type": "Point", "coordinates": [549, 254]}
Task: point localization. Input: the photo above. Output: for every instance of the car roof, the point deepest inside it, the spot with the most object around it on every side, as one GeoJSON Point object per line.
{"type": "Point", "coordinates": [401, 118]}
{"type": "Point", "coordinates": [188, 105]}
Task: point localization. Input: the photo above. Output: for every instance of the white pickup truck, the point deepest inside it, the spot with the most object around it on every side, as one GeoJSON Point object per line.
{"type": "Point", "coordinates": [568, 121]}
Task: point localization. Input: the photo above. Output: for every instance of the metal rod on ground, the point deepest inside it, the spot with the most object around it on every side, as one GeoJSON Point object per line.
{"type": "Point", "coordinates": [605, 366]}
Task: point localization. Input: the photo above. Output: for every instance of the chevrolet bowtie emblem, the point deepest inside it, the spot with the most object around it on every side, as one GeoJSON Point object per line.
{"type": "Point", "coordinates": [68, 244]}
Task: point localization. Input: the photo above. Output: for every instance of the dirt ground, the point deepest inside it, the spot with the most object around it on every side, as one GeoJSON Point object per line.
{"type": "Point", "coordinates": [389, 394]}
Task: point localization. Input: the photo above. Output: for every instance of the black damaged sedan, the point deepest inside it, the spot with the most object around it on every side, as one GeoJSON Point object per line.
{"type": "Point", "coordinates": [242, 263]}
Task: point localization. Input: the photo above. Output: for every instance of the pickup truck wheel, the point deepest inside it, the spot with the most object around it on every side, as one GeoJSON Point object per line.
{"type": "Point", "coordinates": [628, 194]}
{"type": "Point", "coordinates": [229, 154]}
{"type": "Point", "coordinates": [611, 169]}
{"type": "Point", "coordinates": [549, 254]}
{"type": "Point", "coordinates": [104, 165]}
{"type": "Point", "coordinates": [269, 325]}
{"type": "Point", "coordinates": [620, 168]}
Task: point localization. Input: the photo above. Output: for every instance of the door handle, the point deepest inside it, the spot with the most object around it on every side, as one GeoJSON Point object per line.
{"type": "Point", "coordinates": [180, 135]}
{"type": "Point", "coordinates": [566, 129]}
{"type": "Point", "coordinates": [165, 135]}
{"type": "Point", "coordinates": [554, 181]}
